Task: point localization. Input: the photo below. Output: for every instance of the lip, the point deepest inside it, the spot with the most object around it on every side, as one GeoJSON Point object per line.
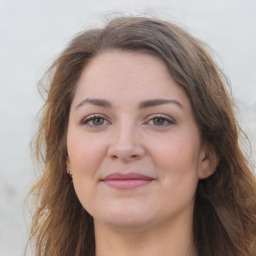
{"type": "Point", "coordinates": [126, 180]}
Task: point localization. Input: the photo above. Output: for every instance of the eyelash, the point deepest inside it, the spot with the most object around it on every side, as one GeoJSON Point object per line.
{"type": "Point", "coordinates": [167, 121]}
{"type": "Point", "coordinates": [91, 118]}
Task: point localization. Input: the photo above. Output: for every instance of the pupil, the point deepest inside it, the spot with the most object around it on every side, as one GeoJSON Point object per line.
{"type": "Point", "coordinates": [159, 121]}
{"type": "Point", "coordinates": [98, 121]}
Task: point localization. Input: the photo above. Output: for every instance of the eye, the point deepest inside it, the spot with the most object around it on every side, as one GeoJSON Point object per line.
{"type": "Point", "coordinates": [160, 121]}
{"type": "Point", "coordinates": [94, 121]}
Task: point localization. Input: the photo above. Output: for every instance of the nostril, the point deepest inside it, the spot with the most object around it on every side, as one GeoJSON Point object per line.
{"type": "Point", "coordinates": [132, 156]}
{"type": "Point", "coordinates": [127, 150]}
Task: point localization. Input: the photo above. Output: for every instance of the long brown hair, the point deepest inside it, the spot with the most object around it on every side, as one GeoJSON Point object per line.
{"type": "Point", "coordinates": [225, 205]}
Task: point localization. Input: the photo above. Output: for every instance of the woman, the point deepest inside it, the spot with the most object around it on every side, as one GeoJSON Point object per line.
{"type": "Point", "coordinates": [138, 116]}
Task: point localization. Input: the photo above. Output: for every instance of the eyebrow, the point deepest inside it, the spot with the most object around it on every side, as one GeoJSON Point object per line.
{"type": "Point", "coordinates": [97, 102]}
{"type": "Point", "coordinates": [157, 102]}
{"type": "Point", "coordinates": [142, 105]}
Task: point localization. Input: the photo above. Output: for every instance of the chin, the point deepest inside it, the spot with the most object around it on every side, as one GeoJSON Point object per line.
{"type": "Point", "coordinates": [126, 222]}
{"type": "Point", "coordinates": [125, 216]}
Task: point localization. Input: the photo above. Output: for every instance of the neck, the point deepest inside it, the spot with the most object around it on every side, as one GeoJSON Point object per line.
{"type": "Point", "coordinates": [173, 239]}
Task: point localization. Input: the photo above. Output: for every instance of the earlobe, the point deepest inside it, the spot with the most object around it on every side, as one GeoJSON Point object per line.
{"type": "Point", "coordinates": [206, 173]}
{"type": "Point", "coordinates": [68, 165]}
{"type": "Point", "coordinates": [208, 163]}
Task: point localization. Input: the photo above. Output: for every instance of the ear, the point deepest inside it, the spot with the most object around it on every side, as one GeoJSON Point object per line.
{"type": "Point", "coordinates": [68, 165]}
{"type": "Point", "coordinates": [208, 162]}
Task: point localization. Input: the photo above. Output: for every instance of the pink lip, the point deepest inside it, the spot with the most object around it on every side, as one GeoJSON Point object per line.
{"type": "Point", "coordinates": [126, 181]}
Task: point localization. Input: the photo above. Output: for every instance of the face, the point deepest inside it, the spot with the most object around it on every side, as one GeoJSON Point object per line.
{"type": "Point", "coordinates": [134, 147]}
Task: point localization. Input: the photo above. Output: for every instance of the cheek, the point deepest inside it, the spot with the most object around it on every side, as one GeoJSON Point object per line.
{"type": "Point", "coordinates": [177, 162]}
{"type": "Point", "coordinates": [85, 152]}
{"type": "Point", "coordinates": [179, 151]}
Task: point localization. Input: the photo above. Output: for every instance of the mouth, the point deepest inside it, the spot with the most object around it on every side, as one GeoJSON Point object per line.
{"type": "Point", "coordinates": [127, 181]}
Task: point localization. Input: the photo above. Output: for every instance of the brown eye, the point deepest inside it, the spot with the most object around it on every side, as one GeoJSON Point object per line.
{"type": "Point", "coordinates": [159, 121]}
{"type": "Point", "coordinates": [97, 121]}
{"type": "Point", "coordinates": [94, 121]}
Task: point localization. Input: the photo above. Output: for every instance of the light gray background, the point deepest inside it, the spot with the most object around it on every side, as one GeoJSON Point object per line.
{"type": "Point", "coordinates": [33, 32]}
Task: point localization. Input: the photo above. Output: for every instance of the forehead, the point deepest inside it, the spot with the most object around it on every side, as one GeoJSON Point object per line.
{"type": "Point", "coordinates": [125, 75]}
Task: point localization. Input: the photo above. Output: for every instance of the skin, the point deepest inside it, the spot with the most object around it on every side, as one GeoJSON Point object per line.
{"type": "Point", "coordinates": [161, 141]}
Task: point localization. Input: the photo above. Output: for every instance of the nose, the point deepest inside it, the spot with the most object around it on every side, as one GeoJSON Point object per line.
{"type": "Point", "coordinates": [126, 144]}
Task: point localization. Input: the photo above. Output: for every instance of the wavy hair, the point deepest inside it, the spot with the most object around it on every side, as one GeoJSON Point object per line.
{"type": "Point", "coordinates": [225, 207]}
